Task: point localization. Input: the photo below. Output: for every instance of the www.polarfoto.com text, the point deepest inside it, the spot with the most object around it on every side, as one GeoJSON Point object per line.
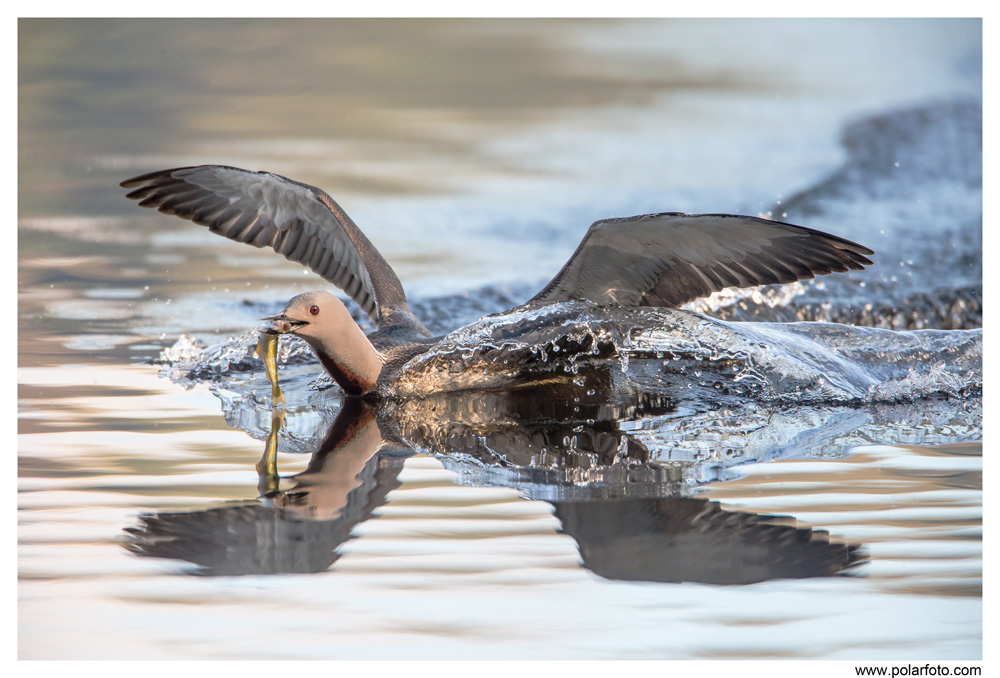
{"type": "Point", "coordinates": [918, 670]}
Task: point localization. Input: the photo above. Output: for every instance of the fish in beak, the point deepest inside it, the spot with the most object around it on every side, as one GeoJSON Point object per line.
{"type": "Point", "coordinates": [281, 324]}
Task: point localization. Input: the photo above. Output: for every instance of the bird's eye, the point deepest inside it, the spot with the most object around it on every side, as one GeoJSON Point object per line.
{"type": "Point", "coordinates": [314, 309]}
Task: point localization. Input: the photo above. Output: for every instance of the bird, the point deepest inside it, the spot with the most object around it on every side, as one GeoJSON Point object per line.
{"type": "Point", "coordinates": [665, 260]}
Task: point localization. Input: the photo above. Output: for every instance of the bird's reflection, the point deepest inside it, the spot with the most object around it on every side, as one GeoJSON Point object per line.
{"type": "Point", "coordinates": [285, 531]}
{"type": "Point", "coordinates": [636, 524]}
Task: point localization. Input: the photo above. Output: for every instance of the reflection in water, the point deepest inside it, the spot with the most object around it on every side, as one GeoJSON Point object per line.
{"type": "Point", "coordinates": [293, 530]}
{"type": "Point", "coordinates": [678, 539]}
{"type": "Point", "coordinates": [241, 538]}
{"type": "Point", "coordinates": [637, 527]}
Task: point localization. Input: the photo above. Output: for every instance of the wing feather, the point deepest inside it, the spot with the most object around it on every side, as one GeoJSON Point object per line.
{"type": "Point", "coordinates": [669, 259]}
{"type": "Point", "coordinates": [299, 221]}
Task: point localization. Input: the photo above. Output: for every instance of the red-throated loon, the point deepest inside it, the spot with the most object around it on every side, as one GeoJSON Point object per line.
{"type": "Point", "coordinates": [664, 260]}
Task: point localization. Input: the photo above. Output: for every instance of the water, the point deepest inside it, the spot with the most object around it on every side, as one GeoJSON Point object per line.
{"type": "Point", "coordinates": [685, 495]}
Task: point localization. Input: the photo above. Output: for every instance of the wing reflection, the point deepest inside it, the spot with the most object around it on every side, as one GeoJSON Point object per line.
{"type": "Point", "coordinates": [630, 514]}
{"type": "Point", "coordinates": [687, 539]}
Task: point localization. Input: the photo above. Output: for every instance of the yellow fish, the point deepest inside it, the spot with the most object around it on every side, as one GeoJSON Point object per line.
{"type": "Point", "coordinates": [268, 481]}
{"type": "Point", "coordinates": [267, 349]}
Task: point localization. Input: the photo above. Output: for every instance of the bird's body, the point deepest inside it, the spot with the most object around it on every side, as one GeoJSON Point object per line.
{"type": "Point", "coordinates": [660, 260]}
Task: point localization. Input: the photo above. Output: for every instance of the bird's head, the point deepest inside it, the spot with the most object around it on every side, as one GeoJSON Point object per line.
{"type": "Point", "coordinates": [343, 349]}
{"type": "Point", "coordinates": [311, 315]}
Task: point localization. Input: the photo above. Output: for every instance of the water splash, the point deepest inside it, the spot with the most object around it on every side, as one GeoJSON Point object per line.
{"type": "Point", "coordinates": [666, 351]}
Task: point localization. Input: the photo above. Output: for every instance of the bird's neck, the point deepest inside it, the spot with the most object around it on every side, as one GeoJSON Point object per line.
{"type": "Point", "coordinates": [350, 359]}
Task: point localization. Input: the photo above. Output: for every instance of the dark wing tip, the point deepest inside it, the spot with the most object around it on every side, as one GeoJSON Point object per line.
{"type": "Point", "coordinates": [136, 181]}
{"type": "Point", "coordinates": [151, 176]}
{"type": "Point", "coordinates": [844, 243]}
{"type": "Point", "coordinates": [860, 261]}
{"type": "Point", "coordinates": [859, 252]}
{"type": "Point", "coordinates": [854, 256]}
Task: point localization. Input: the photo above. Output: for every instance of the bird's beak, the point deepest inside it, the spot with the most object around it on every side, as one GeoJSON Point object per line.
{"type": "Point", "coordinates": [280, 324]}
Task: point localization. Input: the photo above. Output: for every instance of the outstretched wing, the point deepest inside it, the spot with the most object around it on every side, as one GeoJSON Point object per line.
{"type": "Point", "coordinates": [297, 220]}
{"type": "Point", "coordinates": [670, 259]}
